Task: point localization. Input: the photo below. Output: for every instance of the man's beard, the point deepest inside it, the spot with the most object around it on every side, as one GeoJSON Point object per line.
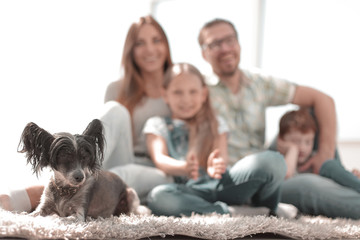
{"type": "Point", "coordinates": [228, 73]}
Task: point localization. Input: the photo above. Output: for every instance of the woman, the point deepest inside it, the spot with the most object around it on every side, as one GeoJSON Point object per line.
{"type": "Point", "coordinates": [133, 99]}
{"type": "Point", "coordinates": [129, 103]}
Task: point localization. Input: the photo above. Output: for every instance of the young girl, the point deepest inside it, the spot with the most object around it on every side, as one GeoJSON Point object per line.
{"type": "Point", "coordinates": [192, 145]}
{"type": "Point", "coordinates": [296, 139]}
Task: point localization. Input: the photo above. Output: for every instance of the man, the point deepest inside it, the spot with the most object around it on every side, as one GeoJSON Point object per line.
{"type": "Point", "coordinates": [241, 97]}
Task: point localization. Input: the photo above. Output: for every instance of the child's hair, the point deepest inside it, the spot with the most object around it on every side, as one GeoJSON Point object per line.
{"type": "Point", "coordinates": [203, 132]}
{"type": "Point", "coordinates": [300, 120]}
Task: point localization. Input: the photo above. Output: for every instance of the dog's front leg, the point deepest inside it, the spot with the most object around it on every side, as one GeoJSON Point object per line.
{"type": "Point", "coordinates": [80, 214]}
{"type": "Point", "coordinates": [44, 209]}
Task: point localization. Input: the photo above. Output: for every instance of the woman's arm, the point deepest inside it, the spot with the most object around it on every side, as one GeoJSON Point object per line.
{"type": "Point", "coordinates": [159, 154]}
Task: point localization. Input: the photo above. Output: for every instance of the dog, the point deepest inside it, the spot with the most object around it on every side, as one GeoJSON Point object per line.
{"type": "Point", "coordinates": [78, 186]}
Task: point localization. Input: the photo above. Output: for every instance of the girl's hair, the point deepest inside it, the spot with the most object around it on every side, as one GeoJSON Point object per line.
{"type": "Point", "coordinates": [203, 127]}
{"type": "Point", "coordinates": [300, 120]}
{"type": "Point", "coordinates": [132, 87]}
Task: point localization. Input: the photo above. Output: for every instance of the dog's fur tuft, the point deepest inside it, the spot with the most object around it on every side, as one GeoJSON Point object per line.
{"type": "Point", "coordinates": [78, 186]}
{"type": "Point", "coordinates": [36, 143]}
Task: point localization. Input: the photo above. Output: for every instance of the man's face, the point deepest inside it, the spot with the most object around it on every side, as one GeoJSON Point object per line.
{"type": "Point", "coordinates": [221, 49]}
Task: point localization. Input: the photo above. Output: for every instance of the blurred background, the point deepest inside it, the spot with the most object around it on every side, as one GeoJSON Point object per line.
{"type": "Point", "coordinates": [57, 58]}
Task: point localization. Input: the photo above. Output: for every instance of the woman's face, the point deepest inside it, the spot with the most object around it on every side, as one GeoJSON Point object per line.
{"type": "Point", "coordinates": [150, 49]}
{"type": "Point", "coordinates": [185, 96]}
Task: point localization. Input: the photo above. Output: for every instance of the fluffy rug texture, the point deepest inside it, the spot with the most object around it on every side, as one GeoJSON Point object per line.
{"type": "Point", "coordinates": [203, 227]}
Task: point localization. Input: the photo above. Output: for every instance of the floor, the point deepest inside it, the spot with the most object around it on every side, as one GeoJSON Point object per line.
{"type": "Point", "coordinates": [255, 236]}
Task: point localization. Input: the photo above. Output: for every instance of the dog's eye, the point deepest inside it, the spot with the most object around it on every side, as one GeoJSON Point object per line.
{"type": "Point", "coordinates": [65, 155]}
{"type": "Point", "coordinates": [85, 154]}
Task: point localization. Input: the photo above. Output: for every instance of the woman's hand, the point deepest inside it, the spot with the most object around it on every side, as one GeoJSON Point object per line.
{"type": "Point", "coordinates": [216, 165]}
{"type": "Point", "coordinates": [192, 166]}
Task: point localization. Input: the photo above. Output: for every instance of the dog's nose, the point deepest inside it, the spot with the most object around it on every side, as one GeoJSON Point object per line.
{"type": "Point", "coordinates": [79, 177]}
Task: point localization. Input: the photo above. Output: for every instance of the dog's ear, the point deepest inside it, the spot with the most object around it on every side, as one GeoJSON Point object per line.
{"type": "Point", "coordinates": [36, 142]}
{"type": "Point", "coordinates": [95, 130]}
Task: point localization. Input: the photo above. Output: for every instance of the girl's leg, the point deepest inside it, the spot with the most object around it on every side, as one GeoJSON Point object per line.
{"type": "Point", "coordinates": [176, 200]}
{"type": "Point", "coordinates": [256, 179]}
{"type": "Point", "coordinates": [118, 135]}
{"type": "Point", "coordinates": [335, 170]}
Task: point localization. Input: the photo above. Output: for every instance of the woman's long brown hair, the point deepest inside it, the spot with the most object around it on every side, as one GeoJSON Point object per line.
{"type": "Point", "coordinates": [133, 87]}
{"type": "Point", "coordinates": [203, 127]}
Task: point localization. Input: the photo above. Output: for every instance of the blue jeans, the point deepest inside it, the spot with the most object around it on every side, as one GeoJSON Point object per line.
{"type": "Point", "coordinates": [316, 195]}
{"type": "Point", "coordinates": [334, 170]}
{"type": "Point", "coordinates": [333, 194]}
{"type": "Point", "coordinates": [256, 179]}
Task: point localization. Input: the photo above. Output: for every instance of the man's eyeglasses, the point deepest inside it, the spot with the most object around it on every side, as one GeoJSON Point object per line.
{"type": "Point", "coordinates": [216, 44]}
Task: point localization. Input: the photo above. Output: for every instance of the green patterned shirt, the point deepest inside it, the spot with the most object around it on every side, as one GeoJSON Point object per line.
{"type": "Point", "coordinates": [244, 112]}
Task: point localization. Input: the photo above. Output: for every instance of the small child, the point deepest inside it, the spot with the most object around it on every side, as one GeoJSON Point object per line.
{"type": "Point", "coordinates": [296, 140]}
{"type": "Point", "coordinates": [192, 133]}
{"type": "Point", "coordinates": [192, 146]}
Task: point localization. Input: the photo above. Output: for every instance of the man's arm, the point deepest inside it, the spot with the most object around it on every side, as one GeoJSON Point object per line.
{"type": "Point", "coordinates": [324, 108]}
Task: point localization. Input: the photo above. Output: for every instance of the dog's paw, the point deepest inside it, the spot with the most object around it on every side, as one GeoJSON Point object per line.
{"type": "Point", "coordinates": [80, 215]}
{"type": "Point", "coordinates": [142, 210]}
{"type": "Point", "coordinates": [134, 203]}
{"type": "Point", "coordinates": [35, 214]}
{"type": "Point", "coordinates": [132, 199]}
{"type": "Point", "coordinates": [74, 218]}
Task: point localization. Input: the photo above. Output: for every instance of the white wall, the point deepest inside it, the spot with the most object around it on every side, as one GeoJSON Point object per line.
{"type": "Point", "coordinates": [316, 43]}
{"type": "Point", "coordinates": [57, 57]}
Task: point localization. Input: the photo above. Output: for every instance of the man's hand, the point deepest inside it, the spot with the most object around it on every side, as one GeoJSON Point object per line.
{"type": "Point", "coordinates": [315, 163]}
{"type": "Point", "coordinates": [216, 165]}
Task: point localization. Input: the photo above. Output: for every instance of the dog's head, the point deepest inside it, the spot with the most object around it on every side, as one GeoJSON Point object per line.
{"type": "Point", "coordinates": [72, 157]}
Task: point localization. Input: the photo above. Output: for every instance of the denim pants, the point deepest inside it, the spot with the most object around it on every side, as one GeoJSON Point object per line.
{"type": "Point", "coordinates": [334, 170]}
{"type": "Point", "coordinates": [256, 179]}
{"type": "Point", "coordinates": [333, 194]}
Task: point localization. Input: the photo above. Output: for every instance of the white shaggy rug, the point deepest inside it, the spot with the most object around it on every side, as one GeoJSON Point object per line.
{"type": "Point", "coordinates": [202, 227]}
